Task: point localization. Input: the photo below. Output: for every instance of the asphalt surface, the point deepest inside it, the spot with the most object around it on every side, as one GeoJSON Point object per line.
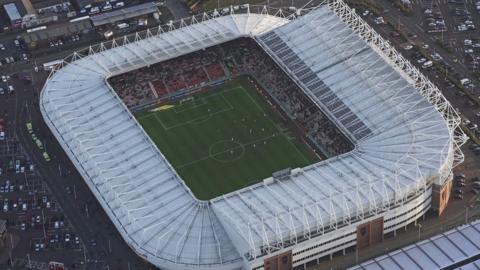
{"type": "Point", "coordinates": [104, 247]}
{"type": "Point", "coordinates": [413, 26]}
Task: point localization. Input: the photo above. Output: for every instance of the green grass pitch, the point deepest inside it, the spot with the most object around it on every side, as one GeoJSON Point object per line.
{"type": "Point", "coordinates": [224, 139]}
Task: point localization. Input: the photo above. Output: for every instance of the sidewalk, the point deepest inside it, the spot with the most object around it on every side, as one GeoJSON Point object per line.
{"type": "Point", "coordinates": [11, 242]}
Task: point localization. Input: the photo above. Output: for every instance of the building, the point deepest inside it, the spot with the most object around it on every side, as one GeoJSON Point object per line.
{"type": "Point", "coordinates": [124, 14]}
{"type": "Point", "coordinates": [406, 134]}
{"type": "Point", "coordinates": [44, 34]}
{"type": "Point", "coordinates": [13, 15]}
{"type": "Point", "coordinates": [456, 249]}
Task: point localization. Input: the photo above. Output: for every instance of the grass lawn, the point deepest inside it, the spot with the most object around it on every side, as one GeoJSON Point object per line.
{"type": "Point", "coordinates": [224, 139]}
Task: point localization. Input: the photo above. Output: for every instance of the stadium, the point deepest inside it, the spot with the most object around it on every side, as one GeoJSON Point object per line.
{"type": "Point", "coordinates": [369, 147]}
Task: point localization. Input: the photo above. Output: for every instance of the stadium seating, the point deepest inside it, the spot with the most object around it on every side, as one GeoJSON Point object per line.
{"type": "Point", "coordinates": [240, 57]}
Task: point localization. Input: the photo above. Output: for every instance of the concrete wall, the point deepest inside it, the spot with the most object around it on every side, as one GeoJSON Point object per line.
{"type": "Point", "coordinates": [441, 196]}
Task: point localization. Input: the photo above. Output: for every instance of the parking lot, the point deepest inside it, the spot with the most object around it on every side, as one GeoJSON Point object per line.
{"type": "Point", "coordinates": [52, 215]}
{"type": "Point", "coordinates": [13, 51]}
{"type": "Point", "coordinates": [32, 212]}
{"type": "Point", "coordinates": [442, 52]}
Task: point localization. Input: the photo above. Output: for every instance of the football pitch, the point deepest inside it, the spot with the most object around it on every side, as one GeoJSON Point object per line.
{"type": "Point", "coordinates": [224, 139]}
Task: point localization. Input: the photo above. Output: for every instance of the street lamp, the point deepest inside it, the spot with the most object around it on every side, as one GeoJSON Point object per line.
{"type": "Point", "coordinates": [466, 213]}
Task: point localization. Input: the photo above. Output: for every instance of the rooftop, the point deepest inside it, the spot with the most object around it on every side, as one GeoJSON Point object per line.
{"type": "Point", "coordinates": [124, 13]}
{"type": "Point", "coordinates": [403, 142]}
{"type": "Point", "coordinates": [12, 12]}
{"type": "Point", "coordinates": [456, 249]}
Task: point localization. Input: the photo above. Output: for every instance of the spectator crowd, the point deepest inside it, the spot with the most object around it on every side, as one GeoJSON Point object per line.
{"type": "Point", "coordinates": [239, 57]}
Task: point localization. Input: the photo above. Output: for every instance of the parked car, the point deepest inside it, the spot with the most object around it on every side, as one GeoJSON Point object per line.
{"type": "Point", "coordinates": [427, 64]}
{"type": "Point", "coordinates": [421, 60]}
{"type": "Point", "coordinates": [107, 6]}
{"type": "Point", "coordinates": [94, 10]}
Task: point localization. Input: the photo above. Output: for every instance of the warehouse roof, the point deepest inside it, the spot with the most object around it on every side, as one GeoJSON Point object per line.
{"type": "Point", "coordinates": [124, 13]}
{"type": "Point", "coordinates": [55, 31]}
{"type": "Point", "coordinates": [458, 248]}
{"type": "Point", "coordinates": [12, 12]}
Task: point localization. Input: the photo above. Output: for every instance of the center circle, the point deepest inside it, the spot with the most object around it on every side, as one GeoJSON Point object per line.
{"type": "Point", "coordinates": [226, 151]}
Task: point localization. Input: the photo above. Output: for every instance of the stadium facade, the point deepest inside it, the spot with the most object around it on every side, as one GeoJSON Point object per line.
{"type": "Point", "coordinates": [406, 138]}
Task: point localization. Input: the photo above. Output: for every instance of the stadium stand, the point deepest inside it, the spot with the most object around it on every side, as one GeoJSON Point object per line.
{"type": "Point", "coordinates": [406, 135]}
{"type": "Point", "coordinates": [161, 81]}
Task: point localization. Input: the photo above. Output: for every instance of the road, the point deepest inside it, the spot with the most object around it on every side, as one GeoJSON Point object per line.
{"type": "Point", "coordinates": [454, 95]}
{"type": "Point", "coordinates": [398, 17]}
{"type": "Point", "coordinates": [178, 9]}
{"type": "Point", "coordinates": [108, 250]}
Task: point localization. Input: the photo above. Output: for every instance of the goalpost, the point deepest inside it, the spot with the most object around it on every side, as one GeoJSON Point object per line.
{"type": "Point", "coordinates": [187, 99]}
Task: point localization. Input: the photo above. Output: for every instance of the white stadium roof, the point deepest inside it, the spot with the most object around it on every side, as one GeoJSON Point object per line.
{"type": "Point", "coordinates": [403, 142]}
{"type": "Point", "coordinates": [455, 249]}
